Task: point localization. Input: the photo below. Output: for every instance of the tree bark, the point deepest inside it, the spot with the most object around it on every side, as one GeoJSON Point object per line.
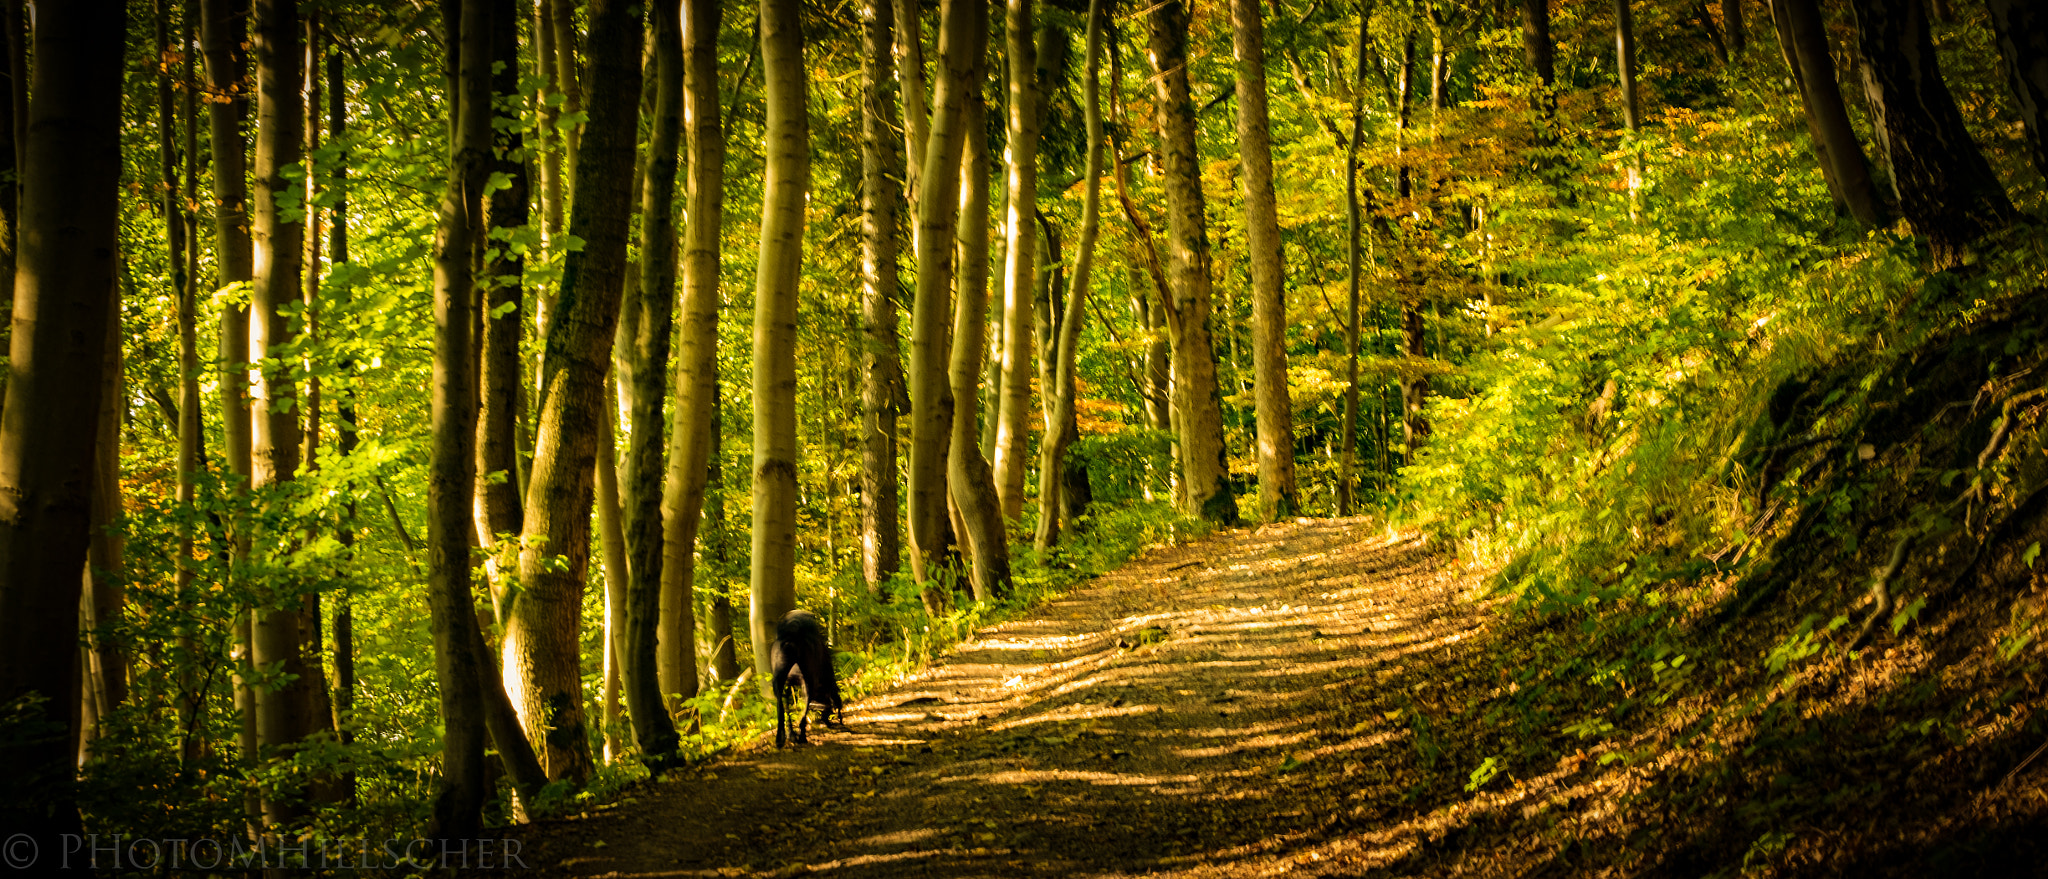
{"type": "Point", "coordinates": [963, 34]}
{"type": "Point", "coordinates": [176, 241]}
{"type": "Point", "coordinates": [2022, 30]}
{"type": "Point", "coordinates": [284, 714]}
{"type": "Point", "coordinates": [1354, 256]}
{"type": "Point", "coordinates": [660, 623]}
{"type": "Point", "coordinates": [450, 487]}
{"type": "Point", "coordinates": [1012, 403]}
{"type": "Point", "coordinates": [696, 413]}
{"type": "Point", "coordinates": [67, 271]}
{"type": "Point", "coordinates": [1206, 482]}
{"type": "Point", "coordinates": [1945, 188]}
{"type": "Point", "coordinates": [345, 421]}
{"type": "Point", "coordinates": [1063, 494]}
{"type": "Point", "coordinates": [617, 573]}
{"type": "Point", "coordinates": [542, 675]}
{"type": "Point", "coordinates": [105, 546]}
{"type": "Point", "coordinates": [883, 398]}
{"type": "Point", "coordinates": [1731, 24]}
{"type": "Point", "coordinates": [504, 323]}
{"type": "Point", "coordinates": [1803, 39]}
{"type": "Point", "coordinates": [1278, 496]}
{"type": "Point", "coordinates": [969, 478]}
{"type": "Point", "coordinates": [787, 139]}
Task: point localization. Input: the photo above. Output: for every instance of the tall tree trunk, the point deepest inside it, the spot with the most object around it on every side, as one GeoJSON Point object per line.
{"type": "Point", "coordinates": [963, 34]}
{"type": "Point", "coordinates": [1278, 497]}
{"type": "Point", "coordinates": [1354, 262]}
{"type": "Point", "coordinates": [1061, 431]}
{"type": "Point", "coordinates": [498, 402]}
{"type": "Point", "coordinates": [107, 663]}
{"type": "Point", "coordinates": [1207, 487]}
{"type": "Point", "coordinates": [548, 112]}
{"type": "Point", "coordinates": [67, 270]}
{"type": "Point", "coordinates": [284, 715]}
{"type": "Point", "coordinates": [1945, 188]}
{"type": "Point", "coordinates": [191, 426]}
{"type": "Point", "coordinates": [787, 139]}
{"type": "Point", "coordinates": [450, 493]}
{"type": "Point", "coordinates": [659, 609]}
{"type": "Point", "coordinates": [1804, 41]}
{"type": "Point", "coordinates": [909, 47]}
{"type": "Point", "coordinates": [617, 573]}
{"type": "Point", "coordinates": [1537, 48]}
{"type": "Point", "coordinates": [542, 675]}
{"type": "Point", "coordinates": [718, 538]}
{"type": "Point", "coordinates": [1012, 402]}
{"type": "Point", "coordinates": [13, 106]}
{"type": "Point", "coordinates": [2022, 29]}
{"type": "Point", "coordinates": [562, 21]}
{"type": "Point", "coordinates": [968, 477]}
{"type": "Point", "coordinates": [320, 705]}
{"type": "Point", "coordinates": [345, 421]}
{"type": "Point", "coordinates": [223, 42]}
{"type": "Point", "coordinates": [883, 398]}
{"type": "Point", "coordinates": [690, 453]}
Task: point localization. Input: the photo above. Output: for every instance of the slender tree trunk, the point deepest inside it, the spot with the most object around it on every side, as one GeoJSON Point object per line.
{"type": "Point", "coordinates": [1061, 431]}
{"type": "Point", "coordinates": [1803, 38]}
{"type": "Point", "coordinates": [345, 421]}
{"type": "Point", "coordinates": [498, 417]}
{"type": "Point", "coordinates": [617, 572]}
{"type": "Point", "coordinates": [1012, 402]}
{"type": "Point", "coordinates": [962, 43]}
{"type": "Point", "coordinates": [718, 539]}
{"type": "Point", "coordinates": [223, 40]}
{"type": "Point", "coordinates": [2022, 29]}
{"type": "Point", "coordinates": [787, 138]}
{"type": "Point", "coordinates": [968, 477]}
{"type": "Point", "coordinates": [542, 677]}
{"type": "Point", "coordinates": [883, 398]}
{"type": "Point", "coordinates": [1945, 188]}
{"type": "Point", "coordinates": [562, 21]}
{"type": "Point", "coordinates": [105, 596]}
{"type": "Point", "coordinates": [450, 492]}
{"type": "Point", "coordinates": [660, 624]}
{"type": "Point", "coordinates": [690, 457]}
{"type": "Point", "coordinates": [1278, 497]}
{"type": "Point", "coordinates": [284, 715]}
{"type": "Point", "coordinates": [1208, 492]}
{"type": "Point", "coordinates": [1731, 24]}
{"type": "Point", "coordinates": [62, 294]}
{"type": "Point", "coordinates": [13, 101]}
{"type": "Point", "coordinates": [1354, 262]}
{"type": "Point", "coordinates": [176, 240]}
{"type": "Point", "coordinates": [548, 111]}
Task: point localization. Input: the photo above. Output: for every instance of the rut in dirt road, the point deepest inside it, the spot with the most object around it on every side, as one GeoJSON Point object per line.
{"type": "Point", "coordinates": [1192, 713]}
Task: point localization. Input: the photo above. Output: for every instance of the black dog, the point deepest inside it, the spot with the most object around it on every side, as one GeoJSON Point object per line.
{"type": "Point", "coordinates": [801, 656]}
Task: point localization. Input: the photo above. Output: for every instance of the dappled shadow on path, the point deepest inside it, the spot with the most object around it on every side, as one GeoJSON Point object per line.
{"type": "Point", "coordinates": [1198, 712]}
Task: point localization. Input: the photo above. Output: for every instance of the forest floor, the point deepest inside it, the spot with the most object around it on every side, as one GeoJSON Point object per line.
{"type": "Point", "coordinates": [1314, 698]}
{"type": "Point", "coordinates": [1192, 713]}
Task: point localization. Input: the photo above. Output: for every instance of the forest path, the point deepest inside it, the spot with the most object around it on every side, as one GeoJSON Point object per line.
{"type": "Point", "coordinates": [1193, 713]}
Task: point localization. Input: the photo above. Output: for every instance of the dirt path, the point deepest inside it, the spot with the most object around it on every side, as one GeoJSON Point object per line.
{"type": "Point", "coordinates": [1197, 713]}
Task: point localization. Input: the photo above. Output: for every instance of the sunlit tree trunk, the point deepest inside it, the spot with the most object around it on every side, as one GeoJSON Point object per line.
{"type": "Point", "coordinates": [787, 139]}
{"type": "Point", "coordinates": [548, 156]}
{"type": "Point", "coordinates": [63, 295]}
{"type": "Point", "coordinates": [1012, 401]}
{"type": "Point", "coordinates": [1278, 496]}
{"type": "Point", "coordinates": [1061, 494]}
{"type": "Point", "coordinates": [962, 43]}
{"type": "Point", "coordinates": [968, 476]}
{"type": "Point", "coordinates": [883, 398]}
{"type": "Point", "coordinates": [177, 241]}
{"type": "Point", "coordinates": [1206, 484]}
{"type": "Point", "coordinates": [2022, 29]}
{"type": "Point", "coordinates": [612, 542]}
{"type": "Point", "coordinates": [1803, 38]}
{"type": "Point", "coordinates": [660, 623]}
{"type": "Point", "coordinates": [284, 714]}
{"type": "Point", "coordinates": [542, 676]}
{"type": "Point", "coordinates": [696, 425]}
{"type": "Point", "coordinates": [1945, 188]}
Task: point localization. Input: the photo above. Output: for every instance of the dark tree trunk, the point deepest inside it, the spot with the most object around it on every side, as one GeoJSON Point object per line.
{"type": "Point", "coordinates": [1804, 43]}
{"type": "Point", "coordinates": [67, 272]}
{"type": "Point", "coordinates": [2022, 28]}
{"type": "Point", "coordinates": [658, 654]}
{"type": "Point", "coordinates": [504, 323]}
{"type": "Point", "coordinates": [541, 632]}
{"type": "Point", "coordinates": [1945, 188]}
{"type": "Point", "coordinates": [883, 398]}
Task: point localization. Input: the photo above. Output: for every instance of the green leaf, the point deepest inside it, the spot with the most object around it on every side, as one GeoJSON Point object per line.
{"type": "Point", "coordinates": [1907, 614]}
